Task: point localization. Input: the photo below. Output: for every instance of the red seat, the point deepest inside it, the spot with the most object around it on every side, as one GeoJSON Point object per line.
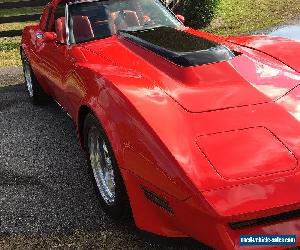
{"type": "Point", "coordinates": [124, 20]}
{"type": "Point", "coordinates": [82, 28]}
{"type": "Point", "coordinates": [60, 29]}
{"type": "Point", "coordinates": [131, 18]}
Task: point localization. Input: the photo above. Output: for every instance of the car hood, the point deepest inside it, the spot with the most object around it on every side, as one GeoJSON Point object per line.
{"type": "Point", "coordinates": [220, 81]}
{"type": "Point", "coordinates": [243, 81]}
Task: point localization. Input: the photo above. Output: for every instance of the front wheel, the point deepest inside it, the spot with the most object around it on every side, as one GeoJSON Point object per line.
{"type": "Point", "coordinates": [108, 180]}
{"type": "Point", "coordinates": [35, 91]}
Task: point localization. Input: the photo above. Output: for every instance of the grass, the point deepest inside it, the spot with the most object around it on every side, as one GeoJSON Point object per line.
{"type": "Point", "coordinates": [20, 11]}
{"type": "Point", "coordinates": [14, 26]}
{"type": "Point", "coordinates": [232, 17]}
{"type": "Point", "coordinates": [9, 51]}
{"type": "Point", "coordinates": [9, 47]}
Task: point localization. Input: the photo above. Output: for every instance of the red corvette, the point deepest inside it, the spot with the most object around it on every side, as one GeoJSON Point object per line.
{"type": "Point", "coordinates": [195, 135]}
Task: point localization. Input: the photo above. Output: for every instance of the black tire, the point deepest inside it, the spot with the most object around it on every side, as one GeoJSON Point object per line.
{"type": "Point", "coordinates": [119, 209]}
{"type": "Point", "coordinates": [36, 94]}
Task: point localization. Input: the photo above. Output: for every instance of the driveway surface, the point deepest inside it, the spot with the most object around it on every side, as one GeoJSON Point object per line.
{"type": "Point", "coordinates": [47, 200]}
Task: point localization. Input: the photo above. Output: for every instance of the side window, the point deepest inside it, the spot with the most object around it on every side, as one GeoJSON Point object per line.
{"type": "Point", "coordinates": [58, 12]}
{"type": "Point", "coordinates": [88, 21]}
{"type": "Point", "coordinates": [60, 24]}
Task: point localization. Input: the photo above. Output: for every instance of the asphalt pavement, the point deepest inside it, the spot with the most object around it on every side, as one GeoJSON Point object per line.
{"type": "Point", "coordinates": [47, 199]}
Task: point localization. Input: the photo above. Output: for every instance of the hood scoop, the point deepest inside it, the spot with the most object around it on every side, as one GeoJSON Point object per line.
{"type": "Point", "coordinates": [179, 47]}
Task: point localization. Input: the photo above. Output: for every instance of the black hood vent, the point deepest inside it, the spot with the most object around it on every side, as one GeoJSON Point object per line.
{"type": "Point", "coordinates": [179, 47]}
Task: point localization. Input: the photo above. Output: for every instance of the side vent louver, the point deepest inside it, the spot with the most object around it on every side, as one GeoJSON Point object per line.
{"type": "Point", "coordinates": [157, 200]}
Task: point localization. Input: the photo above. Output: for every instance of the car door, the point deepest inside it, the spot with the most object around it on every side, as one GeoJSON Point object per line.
{"type": "Point", "coordinates": [56, 59]}
{"type": "Point", "coordinates": [37, 44]}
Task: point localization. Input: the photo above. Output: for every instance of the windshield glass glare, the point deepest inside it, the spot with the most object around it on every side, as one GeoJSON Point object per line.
{"type": "Point", "coordinates": [100, 19]}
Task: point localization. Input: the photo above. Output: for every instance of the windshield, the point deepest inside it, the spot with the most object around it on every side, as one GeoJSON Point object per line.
{"type": "Point", "coordinates": [100, 19]}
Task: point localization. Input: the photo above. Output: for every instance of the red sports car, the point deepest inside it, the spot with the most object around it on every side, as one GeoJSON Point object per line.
{"type": "Point", "coordinates": [195, 135]}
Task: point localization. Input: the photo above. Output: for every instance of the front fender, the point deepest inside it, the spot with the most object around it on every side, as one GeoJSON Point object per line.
{"type": "Point", "coordinates": [282, 49]}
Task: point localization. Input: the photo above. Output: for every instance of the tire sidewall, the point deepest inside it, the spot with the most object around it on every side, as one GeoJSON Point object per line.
{"type": "Point", "coordinates": [119, 209]}
{"type": "Point", "coordinates": [39, 96]}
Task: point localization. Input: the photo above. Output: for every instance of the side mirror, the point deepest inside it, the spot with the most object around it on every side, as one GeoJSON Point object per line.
{"type": "Point", "coordinates": [181, 18]}
{"type": "Point", "coordinates": [50, 36]}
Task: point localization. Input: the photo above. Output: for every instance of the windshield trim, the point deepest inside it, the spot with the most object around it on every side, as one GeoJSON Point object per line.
{"type": "Point", "coordinates": [178, 24]}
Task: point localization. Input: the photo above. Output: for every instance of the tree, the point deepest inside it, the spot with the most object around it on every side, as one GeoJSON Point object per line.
{"type": "Point", "coordinates": [198, 13]}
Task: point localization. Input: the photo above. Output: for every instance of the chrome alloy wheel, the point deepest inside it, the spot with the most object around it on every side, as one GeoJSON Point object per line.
{"type": "Point", "coordinates": [102, 166]}
{"type": "Point", "coordinates": [27, 75]}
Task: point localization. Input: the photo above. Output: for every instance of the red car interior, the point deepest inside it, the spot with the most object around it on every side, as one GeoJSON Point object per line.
{"type": "Point", "coordinates": [127, 18]}
{"type": "Point", "coordinates": [131, 18]}
{"type": "Point", "coordinates": [82, 28]}
{"type": "Point", "coordinates": [60, 29]}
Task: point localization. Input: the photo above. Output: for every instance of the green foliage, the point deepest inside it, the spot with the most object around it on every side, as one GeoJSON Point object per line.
{"type": "Point", "coordinates": [233, 17]}
{"type": "Point", "coordinates": [9, 46]}
{"type": "Point", "coordinates": [20, 11]}
{"type": "Point", "coordinates": [199, 13]}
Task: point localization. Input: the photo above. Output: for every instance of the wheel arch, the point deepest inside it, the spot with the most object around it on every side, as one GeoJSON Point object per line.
{"type": "Point", "coordinates": [103, 119]}
{"type": "Point", "coordinates": [84, 110]}
{"type": "Point", "coordinates": [159, 220]}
